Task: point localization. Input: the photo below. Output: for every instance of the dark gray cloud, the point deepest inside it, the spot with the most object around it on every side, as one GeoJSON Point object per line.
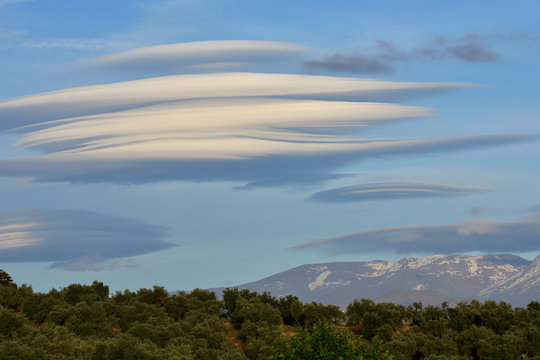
{"type": "Point", "coordinates": [465, 49]}
{"type": "Point", "coordinates": [392, 191]}
{"type": "Point", "coordinates": [75, 239]}
{"type": "Point", "coordinates": [473, 52]}
{"type": "Point", "coordinates": [472, 48]}
{"type": "Point", "coordinates": [487, 236]}
{"type": "Point", "coordinates": [481, 210]}
{"type": "Point", "coordinates": [352, 64]}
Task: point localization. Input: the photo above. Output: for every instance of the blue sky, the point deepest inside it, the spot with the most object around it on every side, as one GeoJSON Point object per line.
{"type": "Point", "coordinates": [225, 141]}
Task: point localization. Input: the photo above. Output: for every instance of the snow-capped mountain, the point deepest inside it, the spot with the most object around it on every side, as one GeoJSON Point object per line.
{"type": "Point", "coordinates": [519, 289]}
{"type": "Point", "coordinates": [431, 279]}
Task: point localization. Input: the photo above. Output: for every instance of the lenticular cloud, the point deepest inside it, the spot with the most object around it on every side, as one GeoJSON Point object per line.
{"type": "Point", "coordinates": [247, 127]}
{"type": "Point", "coordinates": [392, 191]}
{"type": "Point", "coordinates": [200, 55]}
{"type": "Point", "coordinates": [65, 235]}
{"type": "Point", "coordinates": [475, 235]}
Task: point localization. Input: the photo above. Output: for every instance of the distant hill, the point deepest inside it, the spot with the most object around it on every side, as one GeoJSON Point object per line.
{"type": "Point", "coordinates": [430, 280]}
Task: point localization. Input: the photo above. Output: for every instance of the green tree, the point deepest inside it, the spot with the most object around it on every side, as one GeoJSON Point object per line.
{"type": "Point", "coordinates": [9, 321]}
{"type": "Point", "coordinates": [5, 279]}
{"type": "Point", "coordinates": [314, 313]}
{"type": "Point", "coordinates": [326, 342]}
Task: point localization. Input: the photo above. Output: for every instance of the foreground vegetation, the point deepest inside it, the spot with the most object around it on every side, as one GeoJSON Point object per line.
{"type": "Point", "coordinates": [86, 322]}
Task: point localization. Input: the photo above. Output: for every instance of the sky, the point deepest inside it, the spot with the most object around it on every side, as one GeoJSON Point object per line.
{"type": "Point", "coordinates": [211, 143]}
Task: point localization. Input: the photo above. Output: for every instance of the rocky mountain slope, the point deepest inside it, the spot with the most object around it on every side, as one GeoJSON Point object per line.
{"type": "Point", "coordinates": [431, 279]}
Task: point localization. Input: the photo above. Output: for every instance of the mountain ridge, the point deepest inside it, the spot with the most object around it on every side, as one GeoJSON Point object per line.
{"type": "Point", "coordinates": [431, 280]}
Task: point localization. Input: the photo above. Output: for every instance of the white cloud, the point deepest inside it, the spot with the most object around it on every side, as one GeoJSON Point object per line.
{"type": "Point", "coordinates": [216, 129]}
{"type": "Point", "coordinates": [99, 99]}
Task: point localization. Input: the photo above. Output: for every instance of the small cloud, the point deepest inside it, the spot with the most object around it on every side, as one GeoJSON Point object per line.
{"type": "Point", "coordinates": [482, 235]}
{"type": "Point", "coordinates": [474, 52]}
{"type": "Point", "coordinates": [392, 191]}
{"type": "Point", "coordinates": [352, 64]}
{"type": "Point", "coordinates": [533, 209]}
{"type": "Point", "coordinates": [93, 263]}
{"type": "Point", "coordinates": [76, 240]}
{"type": "Point", "coordinates": [477, 210]}
{"type": "Point", "coordinates": [303, 179]}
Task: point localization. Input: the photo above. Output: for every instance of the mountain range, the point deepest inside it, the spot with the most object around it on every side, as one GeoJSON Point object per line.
{"type": "Point", "coordinates": [430, 280]}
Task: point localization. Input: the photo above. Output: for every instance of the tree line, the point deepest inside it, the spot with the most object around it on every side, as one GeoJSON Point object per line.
{"type": "Point", "coordinates": [88, 322]}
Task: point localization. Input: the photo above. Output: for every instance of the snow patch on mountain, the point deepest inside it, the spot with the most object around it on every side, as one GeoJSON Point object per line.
{"type": "Point", "coordinates": [319, 281]}
{"type": "Point", "coordinates": [415, 263]}
{"type": "Point", "coordinates": [419, 287]}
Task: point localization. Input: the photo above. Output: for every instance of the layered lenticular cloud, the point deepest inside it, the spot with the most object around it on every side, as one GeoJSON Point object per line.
{"type": "Point", "coordinates": [476, 235]}
{"type": "Point", "coordinates": [263, 129]}
{"type": "Point", "coordinates": [392, 191]}
{"type": "Point", "coordinates": [71, 237]}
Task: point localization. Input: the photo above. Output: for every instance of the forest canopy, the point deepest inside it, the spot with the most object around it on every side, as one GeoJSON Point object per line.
{"type": "Point", "coordinates": [88, 322]}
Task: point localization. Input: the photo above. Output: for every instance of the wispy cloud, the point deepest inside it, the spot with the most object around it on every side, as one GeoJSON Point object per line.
{"type": "Point", "coordinates": [76, 44]}
{"type": "Point", "coordinates": [9, 34]}
{"type": "Point", "coordinates": [392, 191]}
{"type": "Point", "coordinates": [75, 239]}
{"type": "Point", "coordinates": [12, 2]}
{"type": "Point", "coordinates": [477, 235]}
